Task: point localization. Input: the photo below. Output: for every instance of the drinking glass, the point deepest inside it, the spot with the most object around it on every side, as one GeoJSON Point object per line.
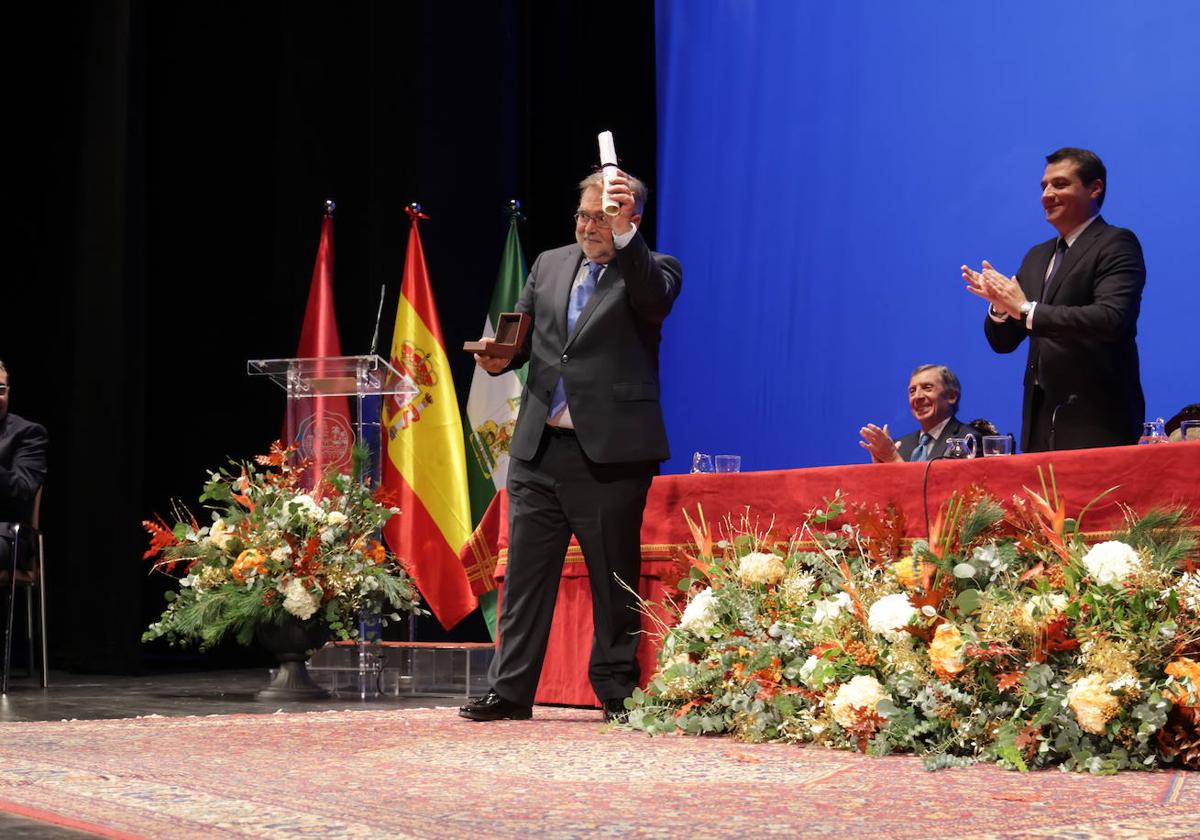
{"type": "Point", "coordinates": [728, 463]}
{"type": "Point", "coordinates": [996, 445]}
{"type": "Point", "coordinates": [701, 462]}
{"type": "Point", "coordinates": [1189, 430]}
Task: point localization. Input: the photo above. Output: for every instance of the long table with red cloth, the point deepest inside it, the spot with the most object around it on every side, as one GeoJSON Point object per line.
{"type": "Point", "coordinates": [1145, 477]}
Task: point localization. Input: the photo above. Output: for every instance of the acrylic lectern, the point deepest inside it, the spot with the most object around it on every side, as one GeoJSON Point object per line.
{"type": "Point", "coordinates": [334, 403]}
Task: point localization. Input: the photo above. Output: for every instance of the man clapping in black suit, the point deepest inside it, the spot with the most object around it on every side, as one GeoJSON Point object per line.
{"type": "Point", "coordinates": [934, 393]}
{"type": "Point", "coordinates": [588, 441]}
{"type": "Point", "coordinates": [1077, 297]}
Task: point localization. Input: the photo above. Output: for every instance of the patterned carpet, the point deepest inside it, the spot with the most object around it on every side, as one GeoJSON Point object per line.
{"type": "Point", "coordinates": [426, 773]}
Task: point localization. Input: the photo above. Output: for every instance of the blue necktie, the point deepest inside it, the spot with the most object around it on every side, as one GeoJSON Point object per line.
{"type": "Point", "coordinates": [921, 453]}
{"type": "Point", "coordinates": [580, 296]}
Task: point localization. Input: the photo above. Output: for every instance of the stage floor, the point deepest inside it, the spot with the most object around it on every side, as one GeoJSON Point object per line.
{"type": "Point", "coordinates": [230, 692]}
{"type": "Point", "coordinates": [97, 697]}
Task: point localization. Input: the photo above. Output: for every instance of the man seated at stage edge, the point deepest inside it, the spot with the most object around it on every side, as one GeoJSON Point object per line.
{"type": "Point", "coordinates": [589, 438]}
{"type": "Point", "coordinates": [934, 393]}
{"type": "Point", "coordinates": [22, 467]}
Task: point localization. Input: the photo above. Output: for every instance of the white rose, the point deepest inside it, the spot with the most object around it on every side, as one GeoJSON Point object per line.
{"type": "Point", "coordinates": [761, 567]}
{"type": "Point", "coordinates": [806, 669]}
{"type": "Point", "coordinates": [698, 617]}
{"type": "Point", "coordinates": [1041, 607]}
{"type": "Point", "coordinates": [890, 613]}
{"type": "Point", "coordinates": [308, 506]}
{"type": "Point", "coordinates": [808, 672]}
{"type": "Point", "coordinates": [281, 553]}
{"type": "Point", "coordinates": [861, 694]}
{"type": "Point", "coordinates": [335, 518]}
{"type": "Point", "coordinates": [299, 601]}
{"type": "Point", "coordinates": [219, 534]}
{"type": "Point", "coordinates": [830, 608]}
{"type": "Point", "coordinates": [1111, 562]}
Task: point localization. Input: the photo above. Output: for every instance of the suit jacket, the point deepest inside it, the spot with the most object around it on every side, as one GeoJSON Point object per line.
{"type": "Point", "coordinates": [954, 428]}
{"type": "Point", "coordinates": [1083, 348]}
{"type": "Point", "coordinates": [609, 364]}
{"type": "Point", "coordinates": [22, 466]}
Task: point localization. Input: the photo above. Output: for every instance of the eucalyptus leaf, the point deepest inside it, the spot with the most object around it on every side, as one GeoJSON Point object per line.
{"type": "Point", "coordinates": [968, 601]}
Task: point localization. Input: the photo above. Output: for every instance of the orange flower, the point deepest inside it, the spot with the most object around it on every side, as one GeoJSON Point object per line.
{"type": "Point", "coordinates": [250, 560]}
{"type": "Point", "coordinates": [1183, 667]}
{"type": "Point", "coordinates": [377, 553]}
{"type": "Point", "coordinates": [945, 651]}
{"type": "Point", "coordinates": [702, 537]}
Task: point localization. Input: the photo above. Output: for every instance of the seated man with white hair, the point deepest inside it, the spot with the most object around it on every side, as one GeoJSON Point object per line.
{"type": "Point", "coordinates": [934, 393]}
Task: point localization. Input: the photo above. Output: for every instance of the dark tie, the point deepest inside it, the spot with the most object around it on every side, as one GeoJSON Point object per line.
{"type": "Point", "coordinates": [580, 296]}
{"type": "Point", "coordinates": [921, 453]}
{"type": "Point", "coordinates": [1060, 254]}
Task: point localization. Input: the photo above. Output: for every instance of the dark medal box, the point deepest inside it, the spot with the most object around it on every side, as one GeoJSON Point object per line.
{"type": "Point", "coordinates": [510, 335]}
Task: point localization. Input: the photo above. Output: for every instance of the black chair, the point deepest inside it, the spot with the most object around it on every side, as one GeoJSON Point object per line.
{"type": "Point", "coordinates": [27, 570]}
{"type": "Point", "coordinates": [984, 426]}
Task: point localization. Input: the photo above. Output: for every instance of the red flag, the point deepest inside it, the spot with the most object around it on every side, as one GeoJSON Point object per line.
{"type": "Point", "coordinates": [424, 464]}
{"type": "Point", "coordinates": [320, 426]}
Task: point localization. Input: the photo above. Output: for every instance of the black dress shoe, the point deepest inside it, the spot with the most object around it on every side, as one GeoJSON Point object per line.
{"type": "Point", "coordinates": [492, 706]}
{"type": "Point", "coordinates": [615, 711]}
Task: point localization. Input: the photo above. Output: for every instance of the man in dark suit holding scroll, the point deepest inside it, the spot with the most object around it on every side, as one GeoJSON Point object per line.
{"type": "Point", "coordinates": [588, 441]}
{"type": "Point", "coordinates": [1077, 298]}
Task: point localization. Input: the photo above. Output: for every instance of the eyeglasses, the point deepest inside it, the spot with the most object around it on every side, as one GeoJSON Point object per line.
{"type": "Point", "coordinates": [600, 221]}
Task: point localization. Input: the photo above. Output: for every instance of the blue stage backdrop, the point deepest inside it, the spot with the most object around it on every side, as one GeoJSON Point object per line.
{"type": "Point", "coordinates": [826, 167]}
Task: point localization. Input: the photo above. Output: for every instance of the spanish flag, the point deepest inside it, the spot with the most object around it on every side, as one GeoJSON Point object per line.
{"type": "Point", "coordinates": [425, 466]}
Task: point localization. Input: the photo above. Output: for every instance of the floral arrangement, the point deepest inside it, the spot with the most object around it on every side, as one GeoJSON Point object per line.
{"type": "Point", "coordinates": [274, 549]}
{"type": "Point", "coordinates": [1004, 637]}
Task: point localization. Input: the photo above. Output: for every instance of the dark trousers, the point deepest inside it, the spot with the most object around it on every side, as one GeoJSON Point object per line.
{"type": "Point", "coordinates": [556, 494]}
{"type": "Point", "coordinates": [1077, 424]}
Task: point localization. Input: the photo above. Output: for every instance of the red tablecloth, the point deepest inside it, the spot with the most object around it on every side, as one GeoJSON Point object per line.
{"type": "Point", "coordinates": [1146, 476]}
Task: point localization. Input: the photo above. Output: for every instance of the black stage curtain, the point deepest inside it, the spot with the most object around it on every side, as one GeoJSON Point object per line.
{"type": "Point", "coordinates": [172, 164]}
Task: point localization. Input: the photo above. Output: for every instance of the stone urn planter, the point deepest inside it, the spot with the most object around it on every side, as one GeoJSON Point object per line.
{"type": "Point", "coordinates": [292, 642]}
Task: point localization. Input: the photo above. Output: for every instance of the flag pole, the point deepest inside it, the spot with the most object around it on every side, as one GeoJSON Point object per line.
{"type": "Point", "coordinates": [413, 210]}
{"type": "Point", "coordinates": [492, 406]}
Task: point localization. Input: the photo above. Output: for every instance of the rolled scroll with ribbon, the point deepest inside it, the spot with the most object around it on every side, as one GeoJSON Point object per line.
{"type": "Point", "coordinates": [608, 164]}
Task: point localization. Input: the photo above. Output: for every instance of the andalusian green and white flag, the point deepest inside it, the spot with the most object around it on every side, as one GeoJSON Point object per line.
{"type": "Point", "coordinates": [491, 417]}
